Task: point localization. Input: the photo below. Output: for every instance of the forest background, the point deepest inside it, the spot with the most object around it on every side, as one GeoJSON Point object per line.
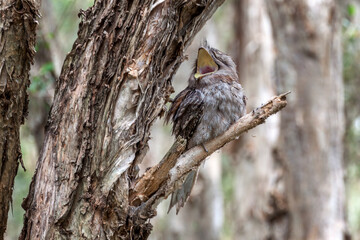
{"type": "Point", "coordinates": [231, 174]}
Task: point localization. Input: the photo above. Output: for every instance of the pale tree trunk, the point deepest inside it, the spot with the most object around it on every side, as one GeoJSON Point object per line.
{"type": "Point", "coordinates": [309, 63]}
{"type": "Point", "coordinates": [113, 85]}
{"type": "Point", "coordinates": [258, 207]}
{"type": "Point", "coordinates": [17, 47]}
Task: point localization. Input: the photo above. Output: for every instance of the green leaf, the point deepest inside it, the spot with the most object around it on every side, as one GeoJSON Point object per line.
{"type": "Point", "coordinates": [47, 67]}
{"type": "Point", "coordinates": [351, 9]}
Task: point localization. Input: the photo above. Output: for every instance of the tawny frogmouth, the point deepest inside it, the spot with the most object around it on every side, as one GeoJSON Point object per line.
{"type": "Point", "coordinates": [212, 101]}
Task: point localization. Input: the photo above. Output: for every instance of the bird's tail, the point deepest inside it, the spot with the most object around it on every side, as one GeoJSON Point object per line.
{"type": "Point", "coordinates": [181, 195]}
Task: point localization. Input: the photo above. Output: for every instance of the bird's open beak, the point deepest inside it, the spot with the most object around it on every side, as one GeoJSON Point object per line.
{"type": "Point", "coordinates": [205, 64]}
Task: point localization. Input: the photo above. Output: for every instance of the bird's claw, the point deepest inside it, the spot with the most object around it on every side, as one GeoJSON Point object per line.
{"type": "Point", "coordinates": [205, 149]}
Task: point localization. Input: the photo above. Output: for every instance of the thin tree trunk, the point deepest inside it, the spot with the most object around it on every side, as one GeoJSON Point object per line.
{"type": "Point", "coordinates": [258, 207]}
{"type": "Point", "coordinates": [308, 41]}
{"type": "Point", "coordinates": [17, 42]}
{"type": "Point", "coordinates": [113, 85]}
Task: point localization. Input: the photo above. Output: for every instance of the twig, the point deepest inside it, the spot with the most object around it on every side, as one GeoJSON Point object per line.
{"type": "Point", "coordinates": [160, 180]}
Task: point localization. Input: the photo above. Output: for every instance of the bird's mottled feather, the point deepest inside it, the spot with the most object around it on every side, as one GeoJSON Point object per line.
{"type": "Point", "coordinates": [186, 112]}
{"type": "Point", "coordinates": [204, 110]}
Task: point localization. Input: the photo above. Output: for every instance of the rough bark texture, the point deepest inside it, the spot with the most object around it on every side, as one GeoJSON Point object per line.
{"type": "Point", "coordinates": [17, 41]}
{"type": "Point", "coordinates": [113, 85]}
{"type": "Point", "coordinates": [307, 37]}
{"type": "Point", "coordinates": [258, 208]}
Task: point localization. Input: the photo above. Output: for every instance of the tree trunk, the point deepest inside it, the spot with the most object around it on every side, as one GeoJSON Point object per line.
{"type": "Point", "coordinates": [258, 207]}
{"type": "Point", "coordinates": [17, 47]}
{"type": "Point", "coordinates": [309, 63]}
{"type": "Point", "coordinates": [113, 85]}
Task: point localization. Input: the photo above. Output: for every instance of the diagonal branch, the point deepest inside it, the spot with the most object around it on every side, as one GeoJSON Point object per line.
{"type": "Point", "coordinates": [160, 180]}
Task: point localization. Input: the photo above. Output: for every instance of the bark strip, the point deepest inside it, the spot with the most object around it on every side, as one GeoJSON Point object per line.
{"type": "Point", "coordinates": [17, 47]}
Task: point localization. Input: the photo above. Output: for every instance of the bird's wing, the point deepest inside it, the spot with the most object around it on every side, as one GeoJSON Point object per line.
{"type": "Point", "coordinates": [186, 112]}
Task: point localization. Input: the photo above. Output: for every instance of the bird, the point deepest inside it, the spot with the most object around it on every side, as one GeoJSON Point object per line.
{"type": "Point", "coordinates": [213, 100]}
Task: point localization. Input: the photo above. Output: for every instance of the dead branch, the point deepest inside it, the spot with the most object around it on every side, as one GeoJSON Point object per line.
{"type": "Point", "coordinates": [160, 180]}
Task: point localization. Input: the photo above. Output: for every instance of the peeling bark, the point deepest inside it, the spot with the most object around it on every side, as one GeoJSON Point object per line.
{"type": "Point", "coordinates": [17, 47]}
{"type": "Point", "coordinates": [113, 85]}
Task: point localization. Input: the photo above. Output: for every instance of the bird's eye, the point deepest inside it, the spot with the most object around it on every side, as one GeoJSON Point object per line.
{"type": "Point", "coordinates": [216, 53]}
{"type": "Point", "coordinates": [220, 57]}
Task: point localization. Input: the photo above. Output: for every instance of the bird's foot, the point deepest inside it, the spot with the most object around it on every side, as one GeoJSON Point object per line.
{"type": "Point", "coordinates": [205, 149]}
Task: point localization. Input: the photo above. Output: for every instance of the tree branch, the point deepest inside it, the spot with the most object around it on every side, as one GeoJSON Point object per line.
{"type": "Point", "coordinates": [160, 180]}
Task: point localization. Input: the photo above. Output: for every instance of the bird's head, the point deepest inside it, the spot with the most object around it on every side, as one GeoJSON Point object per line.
{"type": "Point", "coordinates": [212, 61]}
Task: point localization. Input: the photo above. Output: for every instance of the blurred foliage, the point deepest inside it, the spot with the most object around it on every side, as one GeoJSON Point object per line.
{"type": "Point", "coordinates": [351, 60]}
{"type": "Point", "coordinates": [66, 20]}
{"type": "Point", "coordinates": [37, 82]}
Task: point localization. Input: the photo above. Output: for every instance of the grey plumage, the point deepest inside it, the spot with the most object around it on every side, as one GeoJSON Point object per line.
{"type": "Point", "coordinates": [213, 100]}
